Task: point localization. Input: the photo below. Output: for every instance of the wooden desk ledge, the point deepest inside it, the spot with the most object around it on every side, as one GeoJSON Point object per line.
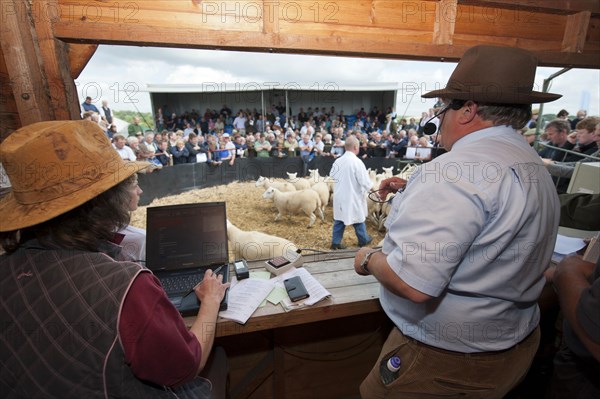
{"type": "Point", "coordinates": [351, 295]}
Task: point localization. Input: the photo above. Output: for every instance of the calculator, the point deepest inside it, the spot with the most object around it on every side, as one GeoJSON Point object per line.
{"type": "Point", "coordinates": [278, 262]}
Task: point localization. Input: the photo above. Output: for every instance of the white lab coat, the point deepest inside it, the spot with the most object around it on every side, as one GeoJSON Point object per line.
{"type": "Point", "coordinates": [352, 183]}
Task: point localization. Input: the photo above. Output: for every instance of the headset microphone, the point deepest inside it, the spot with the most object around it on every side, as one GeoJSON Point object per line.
{"type": "Point", "coordinates": [430, 127]}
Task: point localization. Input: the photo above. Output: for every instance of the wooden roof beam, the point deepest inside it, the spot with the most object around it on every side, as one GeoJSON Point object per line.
{"type": "Point", "coordinates": [25, 77]}
{"type": "Point", "coordinates": [555, 6]}
{"type": "Point", "coordinates": [443, 28]}
{"type": "Point", "coordinates": [57, 75]}
{"type": "Point", "coordinates": [576, 32]}
{"type": "Point", "coordinates": [79, 56]}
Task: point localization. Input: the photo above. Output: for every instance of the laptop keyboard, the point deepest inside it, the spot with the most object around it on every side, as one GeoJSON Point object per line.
{"type": "Point", "coordinates": [180, 283]}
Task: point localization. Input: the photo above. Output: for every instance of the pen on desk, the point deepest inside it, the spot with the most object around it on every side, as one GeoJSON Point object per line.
{"type": "Point", "coordinates": [216, 271]}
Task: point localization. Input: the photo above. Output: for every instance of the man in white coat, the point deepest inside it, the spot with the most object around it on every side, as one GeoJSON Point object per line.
{"type": "Point", "coordinates": [349, 202]}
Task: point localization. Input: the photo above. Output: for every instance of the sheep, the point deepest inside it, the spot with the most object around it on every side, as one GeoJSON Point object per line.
{"type": "Point", "coordinates": [323, 190]}
{"type": "Point", "coordinates": [281, 186]}
{"type": "Point", "coordinates": [307, 201]}
{"type": "Point", "coordinates": [254, 245]}
{"type": "Point", "coordinates": [298, 182]}
{"type": "Point", "coordinates": [315, 177]}
{"type": "Point", "coordinates": [388, 172]}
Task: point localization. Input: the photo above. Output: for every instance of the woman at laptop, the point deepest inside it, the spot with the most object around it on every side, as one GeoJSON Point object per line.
{"type": "Point", "coordinates": [79, 322]}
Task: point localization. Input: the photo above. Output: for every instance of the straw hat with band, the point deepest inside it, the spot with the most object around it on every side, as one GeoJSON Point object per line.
{"type": "Point", "coordinates": [56, 166]}
{"type": "Point", "coordinates": [498, 75]}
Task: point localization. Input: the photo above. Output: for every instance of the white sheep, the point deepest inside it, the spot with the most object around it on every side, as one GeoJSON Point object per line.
{"type": "Point", "coordinates": [281, 186]}
{"type": "Point", "coordinates": [299, 182]}
{"type": "Point", "coordinates": [254, 245]}
{"type": "Point", "coordinates": [388, 172]}
{"type": "Point", "coordinates": [314, 177]}
{"type": "Point", "coordinates": [307, 201]}
{"type": "Point", "coordinates": [323, 190]}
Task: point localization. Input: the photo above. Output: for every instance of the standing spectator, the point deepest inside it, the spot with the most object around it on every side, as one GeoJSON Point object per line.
{"type": "Point", "coordinates": [291, 145]}
{"type": "Point", "coordinates": [106, 112]}
{"type": "Point", "coordinates": [195, 149]}
{"type": "Point", "coordinates": [337, 150]}
{"type": "Point", "coordinates": [563, 114]}
{"type": "Point", "coordinates": [557, 132]}
{"type": "Point", "coordinates": [581, 114]}
{"type": "Point", "coordinates": [240, 146]}
{"type": "Point", "coordinates": [586, 138]}
{"type": "Point", "coordinates": [135, 127]}
{"type": "Point", "coordinates": [180, 153]}
{"type": "Point", "coordinates": [352, 183]}
{"type": "Point", "coordinates": [306, 151]}
{"type": "Point", "coordinates": [262, 146]}
{"type": "Point", "coordinates": [88, 106]}
{"type": "Point", "coordinates": [239, 123]}
{"type": "Point", "coordinates": [163, 154]}
{"type": "Point", "coordinates": [229, 148]}
{"type": "Point", "coordinates": [428, 289]}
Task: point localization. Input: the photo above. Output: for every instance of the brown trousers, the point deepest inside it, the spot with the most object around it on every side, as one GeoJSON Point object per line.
{"type": "Point", "coordinates": [428, 372]}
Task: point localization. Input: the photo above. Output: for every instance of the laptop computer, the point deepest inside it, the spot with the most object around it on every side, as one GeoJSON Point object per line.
{"type": "Point", "coordinates": [182, 242]}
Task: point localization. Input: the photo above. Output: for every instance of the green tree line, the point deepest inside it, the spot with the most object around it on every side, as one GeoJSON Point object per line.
{"type": "Point", "coordinates": [146, 120]}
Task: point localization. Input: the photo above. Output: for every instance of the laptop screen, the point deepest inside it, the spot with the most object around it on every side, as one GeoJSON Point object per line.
{"type": "Point", "coordinates": [186, 236]}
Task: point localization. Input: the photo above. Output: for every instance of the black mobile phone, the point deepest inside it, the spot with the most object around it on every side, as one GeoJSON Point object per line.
{"type": "Point", "coordinates": [295, 288]}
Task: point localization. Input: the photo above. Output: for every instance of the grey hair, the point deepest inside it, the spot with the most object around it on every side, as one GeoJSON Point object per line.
{"type": "Point", "coordinates": [515, 115]}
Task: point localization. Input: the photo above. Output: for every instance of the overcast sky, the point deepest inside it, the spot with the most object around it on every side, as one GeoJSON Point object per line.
{"type": "Point", "coordinates": [120, 75]}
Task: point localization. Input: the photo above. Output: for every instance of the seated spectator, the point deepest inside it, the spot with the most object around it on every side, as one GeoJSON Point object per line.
{"type": "Point", "coordinates": [262, 146]}
{"type": "Point", "coordinates": [124, 151]}
{"type": "Point", "coordinates": [180, 153]}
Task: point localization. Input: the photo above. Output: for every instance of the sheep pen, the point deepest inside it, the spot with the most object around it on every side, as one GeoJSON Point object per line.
{"type": "Point", "coordinates": [247, 210]}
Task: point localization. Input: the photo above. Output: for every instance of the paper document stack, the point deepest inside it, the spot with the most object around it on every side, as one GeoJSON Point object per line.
{"type": "Point", "coordinates": [247, 295]}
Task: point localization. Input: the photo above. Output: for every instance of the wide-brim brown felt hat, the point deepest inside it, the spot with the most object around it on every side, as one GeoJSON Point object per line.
{"type": "Point", "coordinates": [492, 74]}
{"type": "Point", "coordinates": [56, 166]}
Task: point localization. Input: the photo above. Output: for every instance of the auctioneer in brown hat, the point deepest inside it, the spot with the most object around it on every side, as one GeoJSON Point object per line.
{"type": "Point", "coordinates": [491, 74]}
{"type": "Point", "coordinates": [54, 167]}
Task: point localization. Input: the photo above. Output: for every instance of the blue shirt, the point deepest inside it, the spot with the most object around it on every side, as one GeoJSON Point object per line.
{"type": "Point", "coordinates": [474, 228]}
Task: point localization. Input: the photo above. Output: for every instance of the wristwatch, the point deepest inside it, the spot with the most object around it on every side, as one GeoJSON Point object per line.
{"type": "Point", "coordinates": [365, 262]}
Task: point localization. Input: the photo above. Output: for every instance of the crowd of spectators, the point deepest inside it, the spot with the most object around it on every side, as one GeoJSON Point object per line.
{"type": "Point", "coordinates": [222, 136]}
